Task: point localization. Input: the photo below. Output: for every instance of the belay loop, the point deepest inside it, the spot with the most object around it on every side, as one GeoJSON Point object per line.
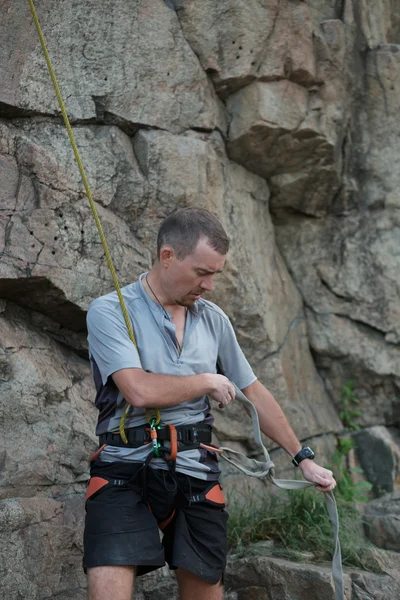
{"type": "Point", "coordinates": [251, 467]}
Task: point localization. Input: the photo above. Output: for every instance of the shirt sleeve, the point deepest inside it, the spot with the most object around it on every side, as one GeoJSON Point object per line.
{"type": "Point", "coordinates": [231, 360]}
{"type": "Point", "coordinates": [109, 341]}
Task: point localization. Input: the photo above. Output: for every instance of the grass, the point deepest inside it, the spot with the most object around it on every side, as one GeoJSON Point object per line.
{"type": "Point", "coordinates": [298, 521]}
{"type": "Point", "coordinates": [349, 411]}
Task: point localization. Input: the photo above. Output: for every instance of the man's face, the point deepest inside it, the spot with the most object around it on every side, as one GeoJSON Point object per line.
{"type": "Point", "coordinates": [187, 280]}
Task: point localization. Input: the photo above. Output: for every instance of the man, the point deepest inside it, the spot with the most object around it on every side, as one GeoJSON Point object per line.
{"type": "Point", "coordinates": [185, 343]}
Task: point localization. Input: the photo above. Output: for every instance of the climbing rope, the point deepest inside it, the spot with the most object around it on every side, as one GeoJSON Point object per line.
{"type": "Point", "coordinates": [250, 467]}
{"type": "Point", "coordinates": [149, 417]}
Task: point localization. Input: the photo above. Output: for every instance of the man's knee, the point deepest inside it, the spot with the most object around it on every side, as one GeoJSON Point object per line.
{"type": "Point", "coordinates": [191, 587]}
{"type": "Point", "coordinates": [110, 582]}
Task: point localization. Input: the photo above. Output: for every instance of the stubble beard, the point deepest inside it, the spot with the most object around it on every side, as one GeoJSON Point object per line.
{"type": "Point", "coordinates": [187, 302]}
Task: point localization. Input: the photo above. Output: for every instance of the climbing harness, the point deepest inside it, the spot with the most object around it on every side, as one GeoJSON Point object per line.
{"type": "Point", "coordinates": [181, 437]}
{"type": "Point", "coordinates": [155, 431]}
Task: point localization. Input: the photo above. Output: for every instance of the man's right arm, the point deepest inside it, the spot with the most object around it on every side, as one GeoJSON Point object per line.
{"type": "Point", "coordinates": [116, 356]}
{"type": "Point", "coordinates": [148, 390]}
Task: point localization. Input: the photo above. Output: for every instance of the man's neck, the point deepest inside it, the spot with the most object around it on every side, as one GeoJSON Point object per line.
{"type": "Point", "coordinates": [154, 288]}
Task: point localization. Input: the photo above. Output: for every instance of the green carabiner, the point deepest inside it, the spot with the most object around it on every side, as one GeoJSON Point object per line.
{"type": "Point", "coordinates": [153, 435]}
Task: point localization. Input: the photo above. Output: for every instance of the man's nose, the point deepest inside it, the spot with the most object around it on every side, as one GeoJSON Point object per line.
{"type": "Point", "coordinates": [207, 284]}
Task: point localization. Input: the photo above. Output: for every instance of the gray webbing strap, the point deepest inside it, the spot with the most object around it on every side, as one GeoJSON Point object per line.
{"type": "Point", "coordinates": [266, 468]}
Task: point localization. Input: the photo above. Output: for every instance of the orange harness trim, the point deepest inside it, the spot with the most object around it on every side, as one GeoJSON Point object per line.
{"type": "Point", "coordinates": [96, 453]}
{"type": "Point", "coordinates": [216, 495]}
{"type": "Point", "coordinates": [173, 440]}
{"type": "Point", "coordinates": [95, 484]}
{"type": "Point", "coordinates": [162, 524]}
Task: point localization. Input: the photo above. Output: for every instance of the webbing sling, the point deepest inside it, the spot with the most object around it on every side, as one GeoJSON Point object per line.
{"type": "Point", "coordinates": [266, 468]}
{"type": "Point", "coordinates": [250, 467]}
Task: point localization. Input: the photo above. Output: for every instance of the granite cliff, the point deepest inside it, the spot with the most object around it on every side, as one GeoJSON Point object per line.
{"type": "Point", "coordinates": [281, 116]}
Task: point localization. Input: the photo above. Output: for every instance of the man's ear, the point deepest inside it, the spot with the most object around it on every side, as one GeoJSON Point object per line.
{"type": "Point", "coordinates": [166, 256]}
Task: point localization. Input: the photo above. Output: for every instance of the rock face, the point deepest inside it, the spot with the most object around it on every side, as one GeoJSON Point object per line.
{"type": "Point", "coordinates": [43, 537]}
{"type": "Point", "coordinates": [282, 118]}
{"type": "Point", "coordinates": [378, 452]}
{"type": "Point", "coordinates": [131, 63]}
{"type": "Point", "coordinates": [52, 259]}
{"type": "Point", "coordinates": [382, 518]}
{"type": "Point", "coordinates": [266, 578]}
{"type": "Point", "coordinates": [275, 578]}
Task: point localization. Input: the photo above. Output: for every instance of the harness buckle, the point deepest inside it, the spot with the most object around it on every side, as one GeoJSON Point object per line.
{"type": "Point", "coordinates": [190, 435]}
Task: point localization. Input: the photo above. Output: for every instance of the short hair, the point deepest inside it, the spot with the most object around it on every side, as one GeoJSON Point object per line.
{"type": "Point", "coordinates": [184, 228]}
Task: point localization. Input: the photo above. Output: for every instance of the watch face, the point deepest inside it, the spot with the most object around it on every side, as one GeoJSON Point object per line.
{"type": "Point", "coordinates": [307, 452]}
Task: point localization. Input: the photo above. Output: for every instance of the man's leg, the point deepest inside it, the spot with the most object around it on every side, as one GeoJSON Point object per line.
{"type": "Point", "coordinates": [110, 582]}
{"type": "Point", "coordinates": [120, 530]}
{"type": "Point", "coordinates": [195, 541]}
{"type": "Point", "coordinates": [192, 587]}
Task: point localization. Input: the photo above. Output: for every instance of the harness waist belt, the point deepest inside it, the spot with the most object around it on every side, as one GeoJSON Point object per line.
{"type": "Point", "coordinates": [190, 436]}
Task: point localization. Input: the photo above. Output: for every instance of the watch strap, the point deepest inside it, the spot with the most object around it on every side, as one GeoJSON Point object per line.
{"type": "Point", "coordinates": [304, 453]}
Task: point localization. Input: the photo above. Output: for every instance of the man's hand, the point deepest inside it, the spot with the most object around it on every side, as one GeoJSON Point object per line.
{"type": "Point", "coordinates": [222, 390]}
{"type": "Point", "coordinates": [319, 475]}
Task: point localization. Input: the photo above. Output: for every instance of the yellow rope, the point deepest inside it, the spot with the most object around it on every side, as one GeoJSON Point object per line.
{"type": "Point", "coordinates": [94, 211]}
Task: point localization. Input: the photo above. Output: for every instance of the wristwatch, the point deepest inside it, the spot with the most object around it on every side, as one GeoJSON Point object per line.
{"type": "Point", "coordinates": [305, 452]}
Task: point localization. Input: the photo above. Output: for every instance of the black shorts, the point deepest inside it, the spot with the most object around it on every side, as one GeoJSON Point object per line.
{"type": "Point", "coordinates": [127, 504]}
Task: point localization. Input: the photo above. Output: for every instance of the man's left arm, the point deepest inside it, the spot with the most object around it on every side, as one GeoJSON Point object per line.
{"type": "Point", "coordinates": [276, 426]}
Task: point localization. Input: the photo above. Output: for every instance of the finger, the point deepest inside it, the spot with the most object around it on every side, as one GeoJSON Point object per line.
{"type": "Point", "coordinates": [329, 488]}
{"type": "Point", "coordinates": [324, 479]}
{"type": "Point", "coordinates": [325, 484]}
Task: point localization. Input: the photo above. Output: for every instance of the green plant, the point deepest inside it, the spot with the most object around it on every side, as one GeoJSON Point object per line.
{"type": "Point", "coordinates": [347, 489]}
{"type": "Point", "coordinates": [299, 524]}
{"type": "Point", "coordinates": [298, 521]}
{"type": "Point", "coordinates": [349, 401]}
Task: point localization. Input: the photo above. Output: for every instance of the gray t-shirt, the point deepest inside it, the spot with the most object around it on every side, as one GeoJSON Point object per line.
{"type": "Point", "coordinates": [209, 339]}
